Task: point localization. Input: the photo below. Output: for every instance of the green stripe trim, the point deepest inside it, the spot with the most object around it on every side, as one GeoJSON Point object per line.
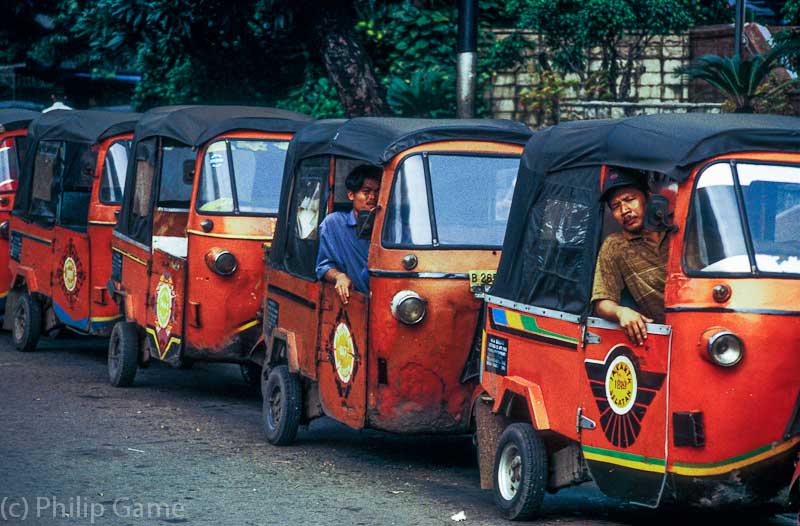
{"type": "Point", "coordinates": [738, 458]}
{"type": "Point", "coordinates": [625, 456]}
{"type": "Point", "coordinates": [530, 325]}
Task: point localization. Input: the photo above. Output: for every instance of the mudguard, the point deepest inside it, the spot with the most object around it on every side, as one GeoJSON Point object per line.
{"type": "Point", "coordinates": [531, 392]}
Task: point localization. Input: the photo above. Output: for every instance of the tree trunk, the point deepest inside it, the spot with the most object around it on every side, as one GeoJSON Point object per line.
{"type": "Point", "coordinates": [346, 61]}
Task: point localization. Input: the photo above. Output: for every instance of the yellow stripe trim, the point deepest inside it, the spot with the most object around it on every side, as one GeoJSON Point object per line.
{"type": "Point", "coordinates": [514, 320]}
{"type": "Point", "coordinates": [131, 256]}
{"type": "Point", "coordinates": [3, 294]}
{"type": "Point", "coordinates": [106, 318]}
{"type": "Point", "coordinates": [103, 223]}
{"type": "Point", "coordinates": [633, 464]}
{"type": "Point", "coordinates": [172, 339]}
{"type": "Point", "coordinates": [719, 470]}
{"type": "Point", "coordinates": [247, 326]}
{"type": "Point", "coordinates": [229, 236]}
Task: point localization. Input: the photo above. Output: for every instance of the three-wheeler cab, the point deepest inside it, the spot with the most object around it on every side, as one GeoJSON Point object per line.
{"type": "Point", "coordinates": [188, 249]}
{"type": "Point", "coordinates": [60, 227]}
{"type": "Point", "coordinates": [13, 146]}
{"type": "Point", "coordinates": [393, 356]}
{"type": "Point", "coordinates": [705, 412]}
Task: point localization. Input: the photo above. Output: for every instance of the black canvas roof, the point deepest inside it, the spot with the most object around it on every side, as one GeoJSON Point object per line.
{"type": "Point", "coordinates": [667, 143]}
{"type": "Point", "coordinates": [15, 118]}
{"type": "Point", "coordinates": [377, 139]}
{"type": "Point", "coordinates": [85, 126]}
{"type": "Point", "coordinates": [194, 125]}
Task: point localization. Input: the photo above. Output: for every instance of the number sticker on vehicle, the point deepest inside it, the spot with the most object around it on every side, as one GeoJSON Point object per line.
{"type": "Point", "coordinates": [481, 279]}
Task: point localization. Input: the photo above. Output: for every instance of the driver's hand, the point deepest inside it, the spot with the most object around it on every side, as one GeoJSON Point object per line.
{"type": "Point", "coordinates": [342, 287]}
{"type": "Point", "coordinates": [633, 323]}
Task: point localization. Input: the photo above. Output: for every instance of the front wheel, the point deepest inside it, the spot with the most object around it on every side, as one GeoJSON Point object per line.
{"type": "Point", "coordinates": [282, 406]}
{"type": "Point", "coordinates": [27, 323]}
{"type": "Point", "coordinates": [520, 472]}
{"type": "Point", "coordinates": [123, 354]}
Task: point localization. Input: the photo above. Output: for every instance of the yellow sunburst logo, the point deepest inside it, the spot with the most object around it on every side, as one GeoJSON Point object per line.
{"type": "Point", "coordinates": [70, 274]}
{"type": "Point", "coordinates": [621, 385]}
{"type": "Point", "coordinates": [343, 352]}
{"type": "Point", "coordinates": [164, 295]}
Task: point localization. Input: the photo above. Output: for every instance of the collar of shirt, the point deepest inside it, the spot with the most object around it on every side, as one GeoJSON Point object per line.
{"type": "Point", "coordinates": [351, 219]}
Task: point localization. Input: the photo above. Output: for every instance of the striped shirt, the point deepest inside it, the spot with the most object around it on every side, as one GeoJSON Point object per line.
{"type": "Point", "coordinates": [634, 262]}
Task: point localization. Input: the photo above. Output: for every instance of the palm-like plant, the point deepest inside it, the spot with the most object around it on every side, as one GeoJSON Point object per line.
{"type": "Point", "coordinates": [740, 79]}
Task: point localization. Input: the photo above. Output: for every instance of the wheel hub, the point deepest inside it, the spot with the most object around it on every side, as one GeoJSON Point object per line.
{"type": "Point", "coordinates": [509, 471]}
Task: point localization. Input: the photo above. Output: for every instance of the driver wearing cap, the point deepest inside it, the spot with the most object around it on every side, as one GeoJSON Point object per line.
{"type": "Point", "coordinates": [634, 259]}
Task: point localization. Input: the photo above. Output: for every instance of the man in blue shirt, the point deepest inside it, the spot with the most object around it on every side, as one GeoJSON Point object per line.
{"type": "Point", "coordinates": [342, 257]}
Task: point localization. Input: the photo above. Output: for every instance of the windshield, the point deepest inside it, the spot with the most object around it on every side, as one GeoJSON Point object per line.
{"type": "Point", "coordinates": [242, 177]}
{"type": "Point", "coordinates": [450, 200]}
{"type": "Point", "coordinates": [717, 237]}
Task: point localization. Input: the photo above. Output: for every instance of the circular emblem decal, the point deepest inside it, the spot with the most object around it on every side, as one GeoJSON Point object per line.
{"type": "Point", "coordinates": [70, 274]}
{"type": "Point", "coordinates": [164, 295]}
{"type": "Point", "coordinates": [343, 352]}
{"type": "Point", "coordinates": [621, 385]}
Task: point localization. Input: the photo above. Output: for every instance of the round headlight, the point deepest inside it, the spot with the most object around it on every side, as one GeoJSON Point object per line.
{"type": "Point", "coordinates": [221, 261]}
{"type": "Point", "coordinates": [725, 348]}
{"type": "Point", "coordinates": [408, 307]}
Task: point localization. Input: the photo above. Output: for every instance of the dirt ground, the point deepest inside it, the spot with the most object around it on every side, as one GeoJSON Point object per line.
{"type": "Point", "coordinates": [185, 447]}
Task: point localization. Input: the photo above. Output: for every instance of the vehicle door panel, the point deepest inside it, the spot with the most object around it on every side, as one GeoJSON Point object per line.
{"type": "Point", "coordinates": [342, 356]}
{"type": "Point", "coordinates": [165, 313]}
{"type": "Point", "coordinates": [626, 398]}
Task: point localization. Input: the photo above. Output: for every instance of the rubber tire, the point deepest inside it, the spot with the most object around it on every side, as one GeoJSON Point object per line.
{"type": "Point", "coordinates": [31, 311]}
{"type": "Point", "coordinates": [281, 431]}
{"type": "Point", "coordinates": [533, 478]}
{"type": "Point", "coordinates": [124, 344]}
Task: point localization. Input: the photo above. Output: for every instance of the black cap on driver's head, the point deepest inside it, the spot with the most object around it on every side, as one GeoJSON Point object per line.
{"type": "Point", "coordinates": [619, 177]}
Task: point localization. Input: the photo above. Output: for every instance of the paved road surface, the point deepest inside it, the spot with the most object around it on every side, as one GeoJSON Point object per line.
{"type": "Point", "coordinates": [185, 447]}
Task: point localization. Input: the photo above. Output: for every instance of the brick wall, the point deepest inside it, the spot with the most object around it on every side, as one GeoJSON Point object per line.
{"type": "Point", "coordinates": [656, 90]}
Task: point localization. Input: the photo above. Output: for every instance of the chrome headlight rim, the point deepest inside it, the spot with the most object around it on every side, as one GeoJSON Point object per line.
{"type": "Point", "coordinates": [216, 263]}
{"type": "Point", "coordinates": [715, 356]}
{"type": "Point", "coordinates": [408, 296]}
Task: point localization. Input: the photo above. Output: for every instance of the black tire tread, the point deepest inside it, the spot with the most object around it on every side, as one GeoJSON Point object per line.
{"type": "Point", "coordinates": [127, 337]}
{"type": "Point", "coordinates": [33, 323]}
{"type": "Point", "coordinates": [527, 502]}
{"type": "Point", "coordinates": [292, 396]}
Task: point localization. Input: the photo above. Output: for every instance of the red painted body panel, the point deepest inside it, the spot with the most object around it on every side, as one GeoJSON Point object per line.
{"type": "Point", "coordinates": [51, 254]}
{"type": "Point", "coordinates": [6, 205]}
{"type": "Point", "coordinates": [747, 410]}
{"type": "Point", "coordinates": [421, 391]}
{"type": "Point", "coordinates": [215, 317]}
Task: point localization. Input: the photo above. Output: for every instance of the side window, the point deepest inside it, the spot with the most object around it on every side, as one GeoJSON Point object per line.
{"type": "Point", "coordinates": [76, 186]}
{"type": "Point", "coordinates": [9, 165]}
{"type": "Point", "coordinates": [408, 219]}
{"type": "Point", "coordinates": [139, 218]}
{"type": "Point", "coordinates": [174, 192]}
{"type": "Point", "coordinates": [114, 172]}
{"type": "Point", "coordinates": [47, 173]}
{"type": "Point", "coordinates": [306, 211]}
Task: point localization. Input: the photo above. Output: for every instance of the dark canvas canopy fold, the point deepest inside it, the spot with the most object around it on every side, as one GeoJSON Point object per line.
{"type": "Point", "coordinates": [555, 222]}
{"type": "Point", "coordinates": [194, 125]}
{"type": "Point", "coordinates": [374, 140]}
{"type": "Point", "coordinates": [86, 126]}
{"type": "Point", "coordinates": [15, 119]}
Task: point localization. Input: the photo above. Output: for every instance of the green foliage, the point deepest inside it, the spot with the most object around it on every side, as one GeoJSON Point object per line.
{"type": "Point", "coordinates": [709, 12]}
{"type": "Point", "coordinates": [742, 81]}
{"type": "Point", "coordinates": [543, 99]}
{"type": "Point", "coordinates": [428, 93]}
{"type": "Point", "coordinates": [316, 96]}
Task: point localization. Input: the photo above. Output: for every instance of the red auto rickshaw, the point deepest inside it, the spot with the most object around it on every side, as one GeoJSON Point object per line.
{"type": "Point", "coordinates": [706, 413]}
{"type": "Point", "coordinates": [188, 250]}
{"type": "Point", "coordinates": [60, 228]}
{"type": "Point", "coordinates": [392, 359]}
{"type": "Point", "coordinates": [13, 144]}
